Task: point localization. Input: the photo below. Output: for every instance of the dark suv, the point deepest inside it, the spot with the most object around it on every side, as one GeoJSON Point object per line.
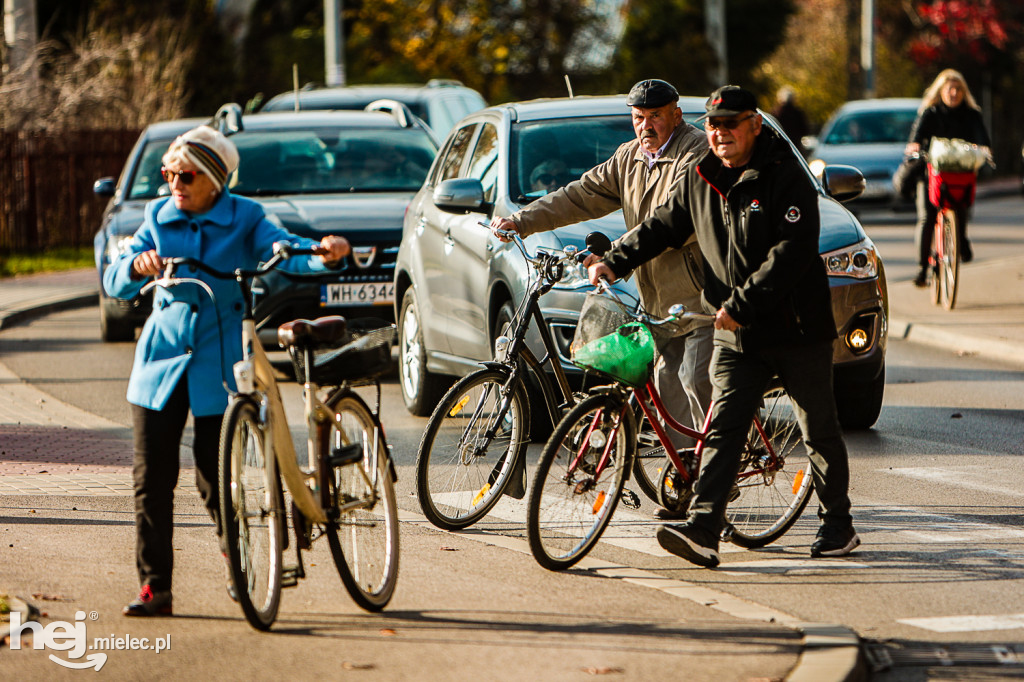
{"type": "Point", "coordinates": [441, 103]}
{"type": "Point", "coordinates": [348, 173]}
{"type": "Point", "coordinates": [454, 280]}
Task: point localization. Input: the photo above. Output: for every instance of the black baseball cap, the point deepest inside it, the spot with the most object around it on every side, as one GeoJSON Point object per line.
{"type": "Point", "coordinates": [729, 100]}
{"type": "Point", "coordinates": [651, 94]}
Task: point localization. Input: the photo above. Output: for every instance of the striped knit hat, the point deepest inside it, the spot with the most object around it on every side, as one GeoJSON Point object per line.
{"type": "Point", "coordinates": [208, 150]}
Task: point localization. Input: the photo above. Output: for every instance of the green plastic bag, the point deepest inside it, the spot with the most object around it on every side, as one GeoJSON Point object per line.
{"type": "Point", "coordinates": [626, 355]}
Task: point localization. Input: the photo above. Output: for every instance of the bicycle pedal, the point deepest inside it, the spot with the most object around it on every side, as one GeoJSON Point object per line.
{"type": "Point", "coordinates": [290, 576]}
{"type": "Point", "coordinates": [630, 499]}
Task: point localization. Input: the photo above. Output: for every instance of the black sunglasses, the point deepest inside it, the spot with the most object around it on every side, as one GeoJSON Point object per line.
{"type": "Point", "coordinates": [186, 176]}
{"type": "Point", "coordinates": [546, 179]}
{"type": "Point", "coordinates": [725, 123]}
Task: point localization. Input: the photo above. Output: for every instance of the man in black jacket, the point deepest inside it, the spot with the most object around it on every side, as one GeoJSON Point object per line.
{"type": "Point", "coordinates": [755, 214]}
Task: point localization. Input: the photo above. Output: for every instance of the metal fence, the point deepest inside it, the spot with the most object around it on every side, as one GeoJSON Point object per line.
{"type": "Point", "coordinates": [46, 197]}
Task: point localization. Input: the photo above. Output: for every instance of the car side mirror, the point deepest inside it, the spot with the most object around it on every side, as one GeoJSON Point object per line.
{"type": "Point", "coordinates": [842, 183]}
{"type": "Point", "coordinates": [104, 187]}
{"type": "Point", "coordinates": [461, 195]}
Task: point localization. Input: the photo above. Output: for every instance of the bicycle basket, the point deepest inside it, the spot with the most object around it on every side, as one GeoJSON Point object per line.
{"type": "Point", "coordinates": [609, 341]}
{"type": "Point", "coordinates": [364, 354]}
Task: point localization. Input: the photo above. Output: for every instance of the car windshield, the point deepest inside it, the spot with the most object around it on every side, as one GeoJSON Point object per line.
{"type": "Point", "coordinates": [347, 104]}
{"type": "Point", "coordinates": [548, 154]}
{"type": "Point", "coordinates": [872, 127]}
{"type": "Point", "coordinates": [310, 161]}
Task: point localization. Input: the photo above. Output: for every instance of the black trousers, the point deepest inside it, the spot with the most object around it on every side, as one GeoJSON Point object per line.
{"type": "Point", "coordinates": [739, 380]}
{"type": "Point", "coordinates": [157, 449]}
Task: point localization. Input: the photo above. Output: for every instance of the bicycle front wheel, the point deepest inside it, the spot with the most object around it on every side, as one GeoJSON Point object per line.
{"type": "Point", "coordinates": [470, 449]}
{"type": "Point", "coordinates": [774, 484]}
{"type": "Point", "coordinates": [949, 257]}
{"type": "Point", "coordinates": [252, 514]}
{"type": "Point", "coordinates": [579, 479]}
{"type": "Point", "coordinates": [363, 533]}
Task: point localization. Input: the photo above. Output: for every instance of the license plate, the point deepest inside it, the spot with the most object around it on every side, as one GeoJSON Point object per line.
{"type": "Point", "coordinates": [367, 293]}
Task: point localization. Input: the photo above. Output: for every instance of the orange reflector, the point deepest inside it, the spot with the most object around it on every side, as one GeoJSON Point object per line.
{"type": "Point", "coordinates": [480, 495]}
{"type": "Point", "coordinates": [797, 481]}
{"type": "Point", "coordinates": [599, 502]}
{"type": "Point", "coordinates": [458, 406]}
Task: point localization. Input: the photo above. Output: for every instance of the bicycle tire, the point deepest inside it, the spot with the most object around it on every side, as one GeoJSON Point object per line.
{"type": "Point", "coordinates": [363, 540]}
{"type": "Point", "coordinates": [252, 518]}
{"type": "Point", "coordinates": [569, 510]}
{"type": "Point", "coordinates": [769, 498]}
{"type": "Point", "coordinates": [460, 476]}
{"type": "Point", "coordinates": [950, 261]}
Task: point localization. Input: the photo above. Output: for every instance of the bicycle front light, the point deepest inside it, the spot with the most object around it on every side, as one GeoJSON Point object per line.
{"type": "Point", "coordinates": [859, 261]}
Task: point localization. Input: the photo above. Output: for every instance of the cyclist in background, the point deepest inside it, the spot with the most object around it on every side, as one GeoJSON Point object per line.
{"type": "Point", "coordinates": [947, 110]}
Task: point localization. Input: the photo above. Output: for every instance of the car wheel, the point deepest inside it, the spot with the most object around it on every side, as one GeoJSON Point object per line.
{"type": "Point", "coordinates": [859, 402]}
{"type": "Point", "coordinates": [112, 327]}
{"type": "Point", "coordinates": [420, 389]}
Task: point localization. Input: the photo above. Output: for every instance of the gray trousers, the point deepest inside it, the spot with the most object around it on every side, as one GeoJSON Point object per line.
{"type": "Point", "coordinates": [739, 380]}
{"type": "Point", "coordinates": [682, 379]}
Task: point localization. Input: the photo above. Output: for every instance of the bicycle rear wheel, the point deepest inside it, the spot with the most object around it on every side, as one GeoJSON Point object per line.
{"type": "Point", "coordinates": [470, 449]}
{"type": "Point", "coordinates": [949, 261]}
{"type": "Point", "coordinates": [251, 513]}
{"type": "Point", "coordinates": [770, 492]}
{"type": "Point", "coordinates": [363, 538]}
{"type": "Point", "coordinates": [571, 502]}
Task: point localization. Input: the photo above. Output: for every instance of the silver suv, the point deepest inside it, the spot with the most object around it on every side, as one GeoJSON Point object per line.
{"type": "Point", "coordinates": [441, 103]}
{"type": "Point", "coordinates": [455, 284]}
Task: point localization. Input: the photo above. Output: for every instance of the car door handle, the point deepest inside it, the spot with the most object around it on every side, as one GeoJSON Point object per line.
{"type": "Point", "coordinates": [448, 238]}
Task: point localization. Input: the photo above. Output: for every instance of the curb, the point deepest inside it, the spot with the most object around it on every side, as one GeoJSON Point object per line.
{"type": "Point", "coordinates": [829, 652]}
{"type": "Point", "coordinates": [42, 306]}
{"type": "Point", "coordinates": [935, 336]}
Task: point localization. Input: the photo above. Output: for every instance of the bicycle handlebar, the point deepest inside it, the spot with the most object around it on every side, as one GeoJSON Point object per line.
{"type": "Point", "coordinates": [282, 251]}
{"type": "Point", "coordinates": [676, 312]}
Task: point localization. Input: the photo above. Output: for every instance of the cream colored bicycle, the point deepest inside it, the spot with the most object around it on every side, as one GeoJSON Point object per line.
{"type": "Point", "coordinates": [343, 488]}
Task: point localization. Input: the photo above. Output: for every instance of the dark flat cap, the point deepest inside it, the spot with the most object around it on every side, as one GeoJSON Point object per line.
{"type": "Point", "coordinates": [729, 100]}
{"type": "Point", "coordinates": [651, 94]}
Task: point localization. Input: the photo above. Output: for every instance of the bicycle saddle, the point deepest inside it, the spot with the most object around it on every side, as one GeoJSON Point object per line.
{"type": "Point", "coordinates": [319, 333]}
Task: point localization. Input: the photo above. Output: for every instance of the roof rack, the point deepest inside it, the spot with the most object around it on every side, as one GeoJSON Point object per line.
{"type": "Point", "coordinates": [399, 111]}
{"type": "Point", "coordinates": [228, 119]}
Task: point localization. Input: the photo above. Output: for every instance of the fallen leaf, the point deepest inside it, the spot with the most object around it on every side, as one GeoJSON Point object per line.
{"type": "Point", "coordinates": [388, 632]}
{"type": "Point", "coordinates": [446, 548]}
{"type": "Point", "coordinates": [604, 671]}
{"type": "Point", "coordinates": [50, 597]}
{"type": "Point", "coordinates": [349, 665]}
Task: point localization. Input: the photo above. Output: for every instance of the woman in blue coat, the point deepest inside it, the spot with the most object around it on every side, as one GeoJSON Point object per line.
{"type": "Point", "coordinates": [184, 354]}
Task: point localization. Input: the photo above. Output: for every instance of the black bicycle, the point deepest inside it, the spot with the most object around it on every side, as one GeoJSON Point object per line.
{"type": "Point", "coordinates": [474, 448]}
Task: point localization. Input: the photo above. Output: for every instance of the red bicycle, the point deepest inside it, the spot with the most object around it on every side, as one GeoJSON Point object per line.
{"type": "Point", "coordinates": [584, 466]}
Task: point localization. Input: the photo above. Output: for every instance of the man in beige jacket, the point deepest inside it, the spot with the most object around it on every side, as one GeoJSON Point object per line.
{"type": "Point", "coordinates": [638, 178]}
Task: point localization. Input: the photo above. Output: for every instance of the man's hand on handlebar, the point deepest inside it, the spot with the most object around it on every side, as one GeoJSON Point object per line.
{"type": "Point", "coordinates": [501, 226]}
{"type": "Point", "coordinates": [599, 270]}
{"type": "Point", "coordinates": [332, 249]}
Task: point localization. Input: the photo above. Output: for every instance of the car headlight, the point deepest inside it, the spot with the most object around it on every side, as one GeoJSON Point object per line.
{"type": "Point", "coordinates": [859, 261]}
{"type": "Point", "coordinates": [573, 277]}
{"type": "Point", "coordinates": [119, 246]}
{"type": "Point", "coordinates": [817, 167]}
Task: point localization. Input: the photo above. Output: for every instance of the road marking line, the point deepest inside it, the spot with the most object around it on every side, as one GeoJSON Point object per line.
{"type": "Point", "coordinates": [967, 623]}
{"type": "Point", "coordinates": [787, 566]}
{"type": "Point", "coordinates": [973, 477]}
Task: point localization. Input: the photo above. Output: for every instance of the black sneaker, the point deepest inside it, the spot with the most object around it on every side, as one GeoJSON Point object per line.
{"type": "Point", "coordinates": [691, 543]}
{"type": "Point", "coordinates": [966, 252]}
{"type": "Point", "coordinates": [922, 277]}
{"type": "Point", "coordinates": [833, 541]}
{"type": "Point", "coordinates": [149, 603]}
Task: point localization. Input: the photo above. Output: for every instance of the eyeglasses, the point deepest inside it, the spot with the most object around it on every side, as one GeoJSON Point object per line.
{"type": "Point", "coordinates": [725, 123]}
{"type": "Point", "coordinates": [186, 176]}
